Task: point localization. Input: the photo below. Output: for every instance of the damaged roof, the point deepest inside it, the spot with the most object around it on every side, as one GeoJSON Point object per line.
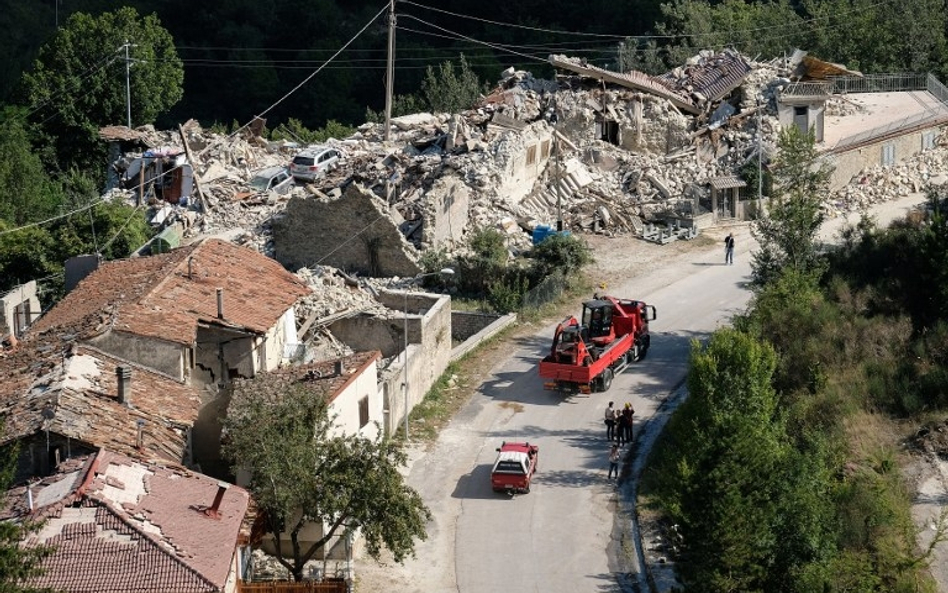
{"type": "Point", "coordinates": [321, 375]}
{"type": "Point", "coordinates": [122, 525]}
{"type": "Point", "coordinates": [72, 390]}
{"type": "Point", "coordinates": [167, 296]}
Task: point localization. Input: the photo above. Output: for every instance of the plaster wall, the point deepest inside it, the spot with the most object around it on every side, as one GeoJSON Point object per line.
{"type": "Point", "coordinates": [428, 353]}
{"type": "Point", "coordinates": [24, 294]}
{"type": "Point", "coordinates": [521, 157]}
{"type": "Point", "coordinates": [849, 164]}
{"type": "Point", "coordinates": [446, 216]}
{"type": "Point", "coordinates": [165, 357]}
{"type": "Point", "coordinates": [345, 407]}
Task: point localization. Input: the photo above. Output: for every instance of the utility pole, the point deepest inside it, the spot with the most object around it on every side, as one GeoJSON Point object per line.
{"type": "Point", "coordinates": [559, 179]}
{"type": "Point", "coordinates": [760, 157]}
{"type": "Point", "coordinates": [128, 86]}
{"type": "Point", "coordinates": [390, 70]}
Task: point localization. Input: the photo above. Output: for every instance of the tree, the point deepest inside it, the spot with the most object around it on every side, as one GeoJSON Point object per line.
{"type": "Point", "coordinates": [27, 194]}
{"type": "Point", "coordinates": [19, 564]}
{"type": "Point", "coordinates": [77, 84]}
{"type": "Point", "coordinates": [304, 472]}
{"type": "Point", "coordinates": [787, 232]}
{"type": "Point", "coordinates": [447, 91]}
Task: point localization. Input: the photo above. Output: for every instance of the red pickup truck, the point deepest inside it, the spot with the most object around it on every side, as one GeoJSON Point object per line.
{"type": "Point", "coordinates": [514, 468]}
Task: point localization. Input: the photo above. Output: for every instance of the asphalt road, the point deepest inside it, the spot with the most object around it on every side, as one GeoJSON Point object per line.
{"type": "Point", "coordinates": [564, 536]}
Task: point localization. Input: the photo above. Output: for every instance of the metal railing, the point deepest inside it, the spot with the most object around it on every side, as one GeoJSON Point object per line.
{"type": "Point", "coordinates": [879, 83]}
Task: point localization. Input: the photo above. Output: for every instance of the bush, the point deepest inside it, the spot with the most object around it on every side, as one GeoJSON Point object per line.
{"type": "Point", "coordinates": [564, 253]}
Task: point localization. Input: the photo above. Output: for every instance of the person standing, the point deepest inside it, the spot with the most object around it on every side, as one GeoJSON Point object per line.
{"type": "Point", "coordinates": [627, 414]}
{"type": "Point", "coordinates": [614, 461]}
{"type": "Point", "coordinates": [729, 249]}
{"type": "Point", "coordinates": [610, 420]}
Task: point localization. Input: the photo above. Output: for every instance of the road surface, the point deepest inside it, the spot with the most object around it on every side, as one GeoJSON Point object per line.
{"type": "Point", "coordinates": [565, 535]}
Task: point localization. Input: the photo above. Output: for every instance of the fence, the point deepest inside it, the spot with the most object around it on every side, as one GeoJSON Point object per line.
{"type": "Point", "coordinates": [546, 291]}
{"type": "Point", "coordinates": [327, 586]}
{"type": "Point", "coordinates": [888, 83]}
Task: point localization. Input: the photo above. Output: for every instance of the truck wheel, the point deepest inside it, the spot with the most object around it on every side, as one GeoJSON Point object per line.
{"type": "Point", "coordinates": [642, 352]}
{"type": "Point", "coordinates": [606, 380]}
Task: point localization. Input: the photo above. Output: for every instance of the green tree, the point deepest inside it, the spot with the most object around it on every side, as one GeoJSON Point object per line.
{"type": "Point", "coordinates": [756, 28]}
{"type": "Point", "coordinates": [304, 472]}
{"type": "Point", "coordinates": [447, 91]}
{"type": "Point", "coordinates": [19, 564]}
{"type": "Point", "coordinates": [786, 233]}
{"type": "Point", "coordinates": [77, 84]}
{"type": "Point", "coordinates": [27, 194]}
{"type": "Point", "coordinates": [729, 464]}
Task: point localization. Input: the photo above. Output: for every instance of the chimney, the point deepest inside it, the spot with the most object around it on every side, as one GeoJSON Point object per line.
{"type": "Point", "coordinates": [213, 512]}
{"type": "Point", "coordinates": [190, 261]}
{"type": "Point", "coordinates": [220, 303]}
{"type": "Point", "coordinates": [338, 368]}
{"type": "Point", "coordinates": [124, 376]}
{"type": "Point", "coordinates": [140, 434]}
{"type": "Point", "coordinates": [29, 496]}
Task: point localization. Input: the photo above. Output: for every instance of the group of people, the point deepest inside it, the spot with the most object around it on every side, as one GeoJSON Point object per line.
{"type": "Point", "coordinates": [618, 431]}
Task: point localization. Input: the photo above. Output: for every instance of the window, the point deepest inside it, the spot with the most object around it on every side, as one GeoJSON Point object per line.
{"type": "Point", "coordinates": [610, 132]}
{"type": "Point", "coordinates": [928, 139]}
{"type": "Point", "coordinates": [545, 149]}
{"type": "Point", "coordinates": [888, 154]}
{"type": "Point", "coordinates": [532, 155]}
{"type": "Point", "coordinates": [363, 411]}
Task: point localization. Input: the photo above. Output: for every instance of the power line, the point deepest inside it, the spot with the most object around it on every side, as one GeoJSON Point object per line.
{"type": "Point", "coordinates": [513, 25]}
{"type": "Point", "coordinates": [485, 43]}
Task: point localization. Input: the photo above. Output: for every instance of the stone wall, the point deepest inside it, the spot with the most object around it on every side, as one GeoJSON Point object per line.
{"type": "Point", "coordinates": [353, 232]}
{"type": "Point", "coordinates": [465, 324]}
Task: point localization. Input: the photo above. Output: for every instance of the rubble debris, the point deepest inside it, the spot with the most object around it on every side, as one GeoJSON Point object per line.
{"type": "Point", "coordinates": [632, 150]}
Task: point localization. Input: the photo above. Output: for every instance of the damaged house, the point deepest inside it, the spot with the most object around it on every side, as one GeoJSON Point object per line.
{"type": "Point", "coordinates": [119, 524]}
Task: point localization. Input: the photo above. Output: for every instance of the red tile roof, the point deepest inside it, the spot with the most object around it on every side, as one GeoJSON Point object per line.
{"type": "Point", "coordinates": [319, 375]}
{"type": "Point", "coordinates": [165, 296]}
{"type": "Point", "coordinates": [77, 387]}
{"type": "Point", "coordinates": [129, 526]}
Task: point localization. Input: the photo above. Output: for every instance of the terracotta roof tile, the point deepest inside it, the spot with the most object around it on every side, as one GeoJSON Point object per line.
{"type": "Point", "coordinates": [138, 527]}
{"type": "Point", "coordinates": [318, 375]}
{"type": "Point", "coordinates": [165, 296]}
{"type": "Point", "coordinates": [77, 390]}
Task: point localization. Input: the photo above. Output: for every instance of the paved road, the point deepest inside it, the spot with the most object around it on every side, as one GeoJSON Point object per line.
{"type": "Point", "coordinates": [563, 536]}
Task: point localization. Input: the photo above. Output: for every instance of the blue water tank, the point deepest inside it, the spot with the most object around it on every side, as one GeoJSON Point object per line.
{"type": "Point", "coordinates": [542, 231]}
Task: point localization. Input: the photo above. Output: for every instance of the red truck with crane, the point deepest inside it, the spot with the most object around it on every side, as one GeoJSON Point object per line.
{"type": "Point", "coordinates": [587, 355]}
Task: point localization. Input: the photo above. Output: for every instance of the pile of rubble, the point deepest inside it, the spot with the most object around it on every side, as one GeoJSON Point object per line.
{"type": "Point", "coordinates": [879, 184]}
{"type": "Point", "coordinates": [607, 151]}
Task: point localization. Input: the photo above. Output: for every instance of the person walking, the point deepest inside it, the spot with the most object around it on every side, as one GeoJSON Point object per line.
{"type": "Point", "coordinates": [610, 420]}
{"type": "Point", "coordinates": [729, 249]}
{"type": "Point", "coordinates": [614, 461]}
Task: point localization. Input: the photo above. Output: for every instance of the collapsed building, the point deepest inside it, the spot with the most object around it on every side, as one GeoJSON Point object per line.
{"type": "Point", "coordinates": [593, 149]}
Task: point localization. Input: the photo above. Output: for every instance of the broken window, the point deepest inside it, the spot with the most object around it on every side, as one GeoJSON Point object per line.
{"type": "Point", "coordinates": [545, 149]}
{"type": "Point", "coordinates": [21, 318]}
{"type": "Point", "coordinates": [888, 154]}
{"type": "Point", "coordinates": [610, 131]}
{"type": "Point", "coordinates": [928, 139]}
{"type": "Point", "coordinates": [532, 155]}
{"type": "Point", "coordinates": [363, 411]}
